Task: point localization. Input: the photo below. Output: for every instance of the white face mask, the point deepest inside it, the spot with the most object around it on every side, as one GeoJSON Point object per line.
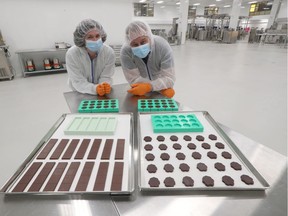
{"type": "Point", "coordinates": [94, 46]}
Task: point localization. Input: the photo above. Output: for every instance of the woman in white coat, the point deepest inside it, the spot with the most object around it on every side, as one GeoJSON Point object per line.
{"type": "Point", "coordinates": [90, 63]}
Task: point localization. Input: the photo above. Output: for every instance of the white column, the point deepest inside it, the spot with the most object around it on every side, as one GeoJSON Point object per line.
{"type": "Point", "coordinates": [274, 12]}
{"type": "Point", "coordinates": [235, 12]}
{"type": "Point", "coordinates": [184, 5]}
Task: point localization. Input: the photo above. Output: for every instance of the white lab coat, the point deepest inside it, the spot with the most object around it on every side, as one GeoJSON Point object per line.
{"type": "Point", "coordinates": [160, 65]}
{"type": "Point", "coordinates": [80, 67]}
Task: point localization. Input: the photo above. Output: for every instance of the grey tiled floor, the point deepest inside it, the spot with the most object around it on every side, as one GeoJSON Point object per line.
{"type": "Point", "coordinates": [243, 86]}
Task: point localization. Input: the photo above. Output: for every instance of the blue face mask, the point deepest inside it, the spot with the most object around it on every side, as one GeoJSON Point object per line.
{"type": "Point", "coordinates": [141, 51]}
{"type": "Point", "coordinates": [94, 46]}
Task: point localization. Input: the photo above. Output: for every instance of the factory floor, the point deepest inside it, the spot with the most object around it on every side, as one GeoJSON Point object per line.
{"type": "Point", "coordinates": [242, 86]}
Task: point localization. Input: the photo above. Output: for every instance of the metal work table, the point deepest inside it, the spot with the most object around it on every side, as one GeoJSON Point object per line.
{"type": "Point", "coordinates": [272, 166]}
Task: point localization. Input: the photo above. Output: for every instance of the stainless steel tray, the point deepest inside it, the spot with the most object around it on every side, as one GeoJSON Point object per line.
{"type": "Point", "coordinates": [123, 132]}
{"type": "Point", "coordinates": [158, 164]}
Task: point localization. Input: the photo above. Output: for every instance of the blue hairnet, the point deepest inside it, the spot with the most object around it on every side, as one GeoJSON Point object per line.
{"type": "Point", "coordinates": [84, 27]}
{"type": "Point", "coordinates": [137, 29]}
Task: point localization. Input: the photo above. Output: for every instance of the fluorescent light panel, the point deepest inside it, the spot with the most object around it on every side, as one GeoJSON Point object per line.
{"type": "Point", "coordinates": [196, 4]}
{"type": "Point", "coordinates": [160, 2]}
{"type": "Point", "coordinates": [226, 6]}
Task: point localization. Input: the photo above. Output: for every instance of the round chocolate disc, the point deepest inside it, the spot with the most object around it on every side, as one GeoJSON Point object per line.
{"type": "Point", "coordinates": [162, 147]}
{"type": "Point", "coordinates": [212, 137]}
{"type": "Point", "coordinates": [165, 156]}
{"type": "Point", "coordinates": [169, 182]}
{"type": "Point", "coordinates": [184, 167]}
{"type": "Point", "coordinates": [206, 146]}
{"type": "Point", "coordinates": [247, 179]}
{"type": "Point", "coordinates": [212, 155]}
{"type": "Point", "coordinates": [177, 146]}
{"type": "Point", "coordinates": [150, 157]}
{"type": "Point", "coordinates": [202, 167]}
{"type": "Point", "coordinates": [228, 180]}
{"type": "Point", "coordinates": [219, 166]}
{"type": "Point", "coordinates": [236, 166]}
{"type": "Point", "coordinates": [154, 182]}
{"type": "Point", "coordinates": [200, 138]}
{"type": "Point", "coordinates": [160, 138]}
{"type": "Point", "coordinates": [219, 145]}
{"type": "Point", "coordinates": [196, 155]}
{"type": "Point", "coordinates": [148, 147]}
{"type": "Point", "coordinates": [226, 155]}
{"type": "Point", "coordinates": [168, 168]}
{"type": "Point", "coordinates": [191, 146]}
{"type": "Point", "coordinates": [151, 168]}
{"type": "Point", "coordinates": [208, 181]}
{"type": "Point", "coordinates": [187, 138]}
{"type": "Point", "coordinates": [173, 138]}
{"type": "Point", "coordinates": [180, 156]}
{"type": "Point", "coordinates": [147, 139]}
{"type": "Point", "coordinates": [188, 181]}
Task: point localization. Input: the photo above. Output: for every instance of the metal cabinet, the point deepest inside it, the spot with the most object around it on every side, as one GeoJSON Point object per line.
{"type": "Point", "coordinates": [33, 61]}
{"type": "Point", "coordinates": [5, 65]}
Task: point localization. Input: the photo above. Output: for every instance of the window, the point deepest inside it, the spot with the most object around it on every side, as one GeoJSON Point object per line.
{"type": "Point", "coordinates": [260, 8]}
{"type": "Point", "coordinates": [191, 12]}
{"type": "Point", "coordinates": [142, 9]}
{"type": "Point", "coordinates": [211, 10]}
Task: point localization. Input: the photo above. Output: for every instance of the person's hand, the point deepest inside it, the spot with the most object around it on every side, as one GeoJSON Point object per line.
{"type": "Point", "coordinates": [100, 89]}
{"type": "Point", "coordinates": [169, 92]}
{"type": "Point", "coordinates": [140, 88]}
{"type": "Point", "coordinates": [107, 88]}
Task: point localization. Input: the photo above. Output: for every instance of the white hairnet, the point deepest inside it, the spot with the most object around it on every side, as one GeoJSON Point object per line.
{"type": "Point", "coordinates": [137, 29]}
{"type": "Point", "coordinates": [84, 27]}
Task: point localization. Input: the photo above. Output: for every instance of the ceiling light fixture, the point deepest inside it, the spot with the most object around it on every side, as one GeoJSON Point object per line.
{"type": "Point", "coordinates": [178, 3]}
{"type": "Point", "coordinates": [160, 2]}
{"type": "Point", "coordinates": [212, 5]}
{"type": "Point", "coordinates": [226, 6]}
{"type": "Point", "coordinates": [196, 4]}
{"type": "Point", "coordinates": [218, 0]}
{"type": "Point", "coordinates": [142, 1]}
{"type": "Point", "coordinates": [252, 2]}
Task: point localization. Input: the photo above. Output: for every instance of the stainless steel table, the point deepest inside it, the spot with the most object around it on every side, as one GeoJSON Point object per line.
{"type": "Point", "coordinates": [271, 202]}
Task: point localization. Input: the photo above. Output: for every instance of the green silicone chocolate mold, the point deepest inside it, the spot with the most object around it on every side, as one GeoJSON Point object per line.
{"type": "Point", "coordinates": [151, 105]}
{"type": "Point", "coordinates": [176, 123]}
{"type": "Point", "coordinates": [92, 126]}
{"type": "Point", "coordinates": [98, 106]}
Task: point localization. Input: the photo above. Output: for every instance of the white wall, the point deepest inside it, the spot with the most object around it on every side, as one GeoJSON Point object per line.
{"type": "Point", "coordinates": [38, 24]}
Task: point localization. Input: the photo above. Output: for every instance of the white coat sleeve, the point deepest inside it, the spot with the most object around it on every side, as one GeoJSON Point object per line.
{"type": "Point", "coordinates": [76, 77]}
{"type": "Point", "coordinates": [109, 67]}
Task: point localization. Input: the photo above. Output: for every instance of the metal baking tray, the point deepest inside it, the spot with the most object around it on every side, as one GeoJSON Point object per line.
{"type": "Point", "coordinates": [123, 132]}
{"type": "Point", "coordinates": [158, 166]}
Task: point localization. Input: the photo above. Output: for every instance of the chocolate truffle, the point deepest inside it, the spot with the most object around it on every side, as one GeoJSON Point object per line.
{"type": "Point", "coordinates": [188, 181]}
{"type": "Point", "coordinates": [168, 168]}
{"type": "Point", "coordinates": [169, 182]}
{"type": "Point", "coordinates": [180, 156]}
{"type": "Point", "coordinates": [147, 139]}
{"type": "Point", "coordinates": [228, 180]}
{"type": "Point", "coordinates": [219, 166]}
{"type": "Point", "coordinates": [206, 146]}
{"type": "Point", "coordinates": [212, 137]}
{"type": "Point", "coordinates": [160, 138]}
{"type": "Point", "coordinates": [184, 167]}
{"type": "Point", "coordinates": [247, 179]}
{"type": "Point", "coordinates": [236, 166]}
{"type": "Point", "coordinates": [219, 145]}
{"type": "Point", "coordinates": [151, 168]}
{"type": "Point", "coordinates": [150, 157]}
{"type": "Point", "coordinates": [201, 167]}
{"type": "Point", "coordinates": [226, 155]}
{"type": "Point", "coordinates": [212, 155]}
{"type": "Point", "coordinates": [173, 138]}
{"type": "Point", "coordinates": [162, 147]}
{"type": "Point", "coordinates": [196, 155]}
{"type": "Point", "coordinates": [187, 138]}
{"type": "Point", "coordinates": [200, 138]}
{"type": "Point", "coordinates": [208, 181]}
{"type": "Point", "coordinates": [165, 156]}
{"type": "Point", "coordinates": [148, 147]}
{"type": "Point", "coordinates": [177, 146]}
{"type": "Point", "coordinates": [191, 146]}
{"type": "Point", "coordinates": [154, 182]}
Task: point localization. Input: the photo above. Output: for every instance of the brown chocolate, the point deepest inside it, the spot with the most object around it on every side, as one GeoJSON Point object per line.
{"type": "Point", "coordinates": [191, 146]}
{"type": "Point", "coordinates": [147, 139]}
{"type": "Point", "coordinates": [208, 181]}
{"type": "Point", "coordinates": [226, 155]}
{"type": "Point", "coordinates": [70, 150]}
{"type": "Point", "coordinates": [200, 138]}
{"type": "Point", "coordinates": [188, 181]}
{"type": "Point", "coordinates": [212, 137]}
{"type": "Point", "coordinates": [116, 184]}
{"type": "Point", "coordinates": [85, 176]}
{"type": "Point", "coordinates": [94, 149]}
{"type": "Point", "coordinates": [148, 147]}
{"type": "Point", "coordinates": [165, 156]}
{"type": "Point", "coordinates": [212, 155]}
{"type": "Point", "coordinates": [177, 146]}
{"type": "Point", "coordinates": [180, 156]}
{"type": "Point", "coordinates": [150, 157]}
{"type": "Point", "coordinates": [168, 168]}
{"type": "Point", "coordinates": [59, 149]}
{"type": "Point", "coordinates": [184, 167]}
{"type": "Point", "coordinates": [228, 180]}
{"type": "Point", "coordinates": [206, 146]}
{"type": "Point", "coordinates": [83, 147]}
{"type": "Point", "coordinates": [154, 182]}
{"type": "Point", "coordinates": [187, 138]}
{"type": "Point", "coordinates": [219, 145]}
{"type": "Point", "coordinates": [69, 177]}
{"type": "Point", "coordinates": [162, 147]}
{"type": "Point", "coordinates": [174, 138]}
{"type": "Point", "coordinates": [107, 149]}
{"type": "Point", "coordinates": [247, 179]}
{"type": "Point", "coordinates": [151, 168]}
{"type": "Point", "coordinates": [236, 166]}
{"type": "Point", "coordinates": [160, 138]}
{"type": "Point", "coordinates": [219, 166]}
{"type": "Point", "coordinates": [100, 181]}
{"type": "Point", "coordinates": [56, 175]}
{"type": "Point", "coordinates": [119, 155]}
{"type": "Point", "coordinates": [196, 155]}
{"type": "Point", "coordinates": [46, 150]}
{"type": "Point", "coordinates": [202, 167]}
{"type": "Point", "coordinates": [169, 182]}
